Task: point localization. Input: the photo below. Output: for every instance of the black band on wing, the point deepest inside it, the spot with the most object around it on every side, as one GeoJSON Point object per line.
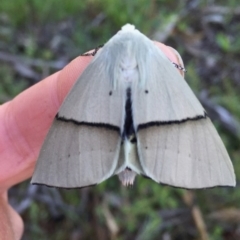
{"type": "Point", "coordinates": [91, 124]}
{"type": "Point", "coordinates": [159, 123]}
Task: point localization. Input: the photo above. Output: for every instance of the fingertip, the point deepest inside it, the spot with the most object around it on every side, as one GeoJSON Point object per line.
{"type": "Point", "coordinates": [172, 54]}
{"type": "Point", "coordinates": [179, 58]}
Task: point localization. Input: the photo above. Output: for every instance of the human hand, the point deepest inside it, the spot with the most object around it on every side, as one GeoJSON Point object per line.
{"type": "Point", "coordinates": [24, 123]}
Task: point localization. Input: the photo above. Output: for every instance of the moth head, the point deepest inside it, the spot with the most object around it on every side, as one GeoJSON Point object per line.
{"type": "Point", "coordinates": [128, 27]}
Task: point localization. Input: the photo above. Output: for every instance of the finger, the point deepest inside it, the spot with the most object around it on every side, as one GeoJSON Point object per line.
{"type": "Point", "coordinates": [11, 224]}
{"type": "Point", "coordinates": [172, 54]}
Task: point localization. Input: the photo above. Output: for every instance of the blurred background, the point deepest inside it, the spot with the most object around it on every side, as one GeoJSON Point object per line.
{"type": "Point", "coordinates": [38, 38]}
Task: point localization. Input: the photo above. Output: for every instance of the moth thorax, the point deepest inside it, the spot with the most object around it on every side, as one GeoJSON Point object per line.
{"type": "Point", "coordinates": [127, 177]}
{"type": "Point", "coordinates": [128, 69]}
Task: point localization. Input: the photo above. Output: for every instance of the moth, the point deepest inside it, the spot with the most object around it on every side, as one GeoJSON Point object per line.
{"type": "Point", "coordinates": [131, 112]}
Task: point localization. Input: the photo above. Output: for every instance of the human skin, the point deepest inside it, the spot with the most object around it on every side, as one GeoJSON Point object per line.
{"type": "Point", "coordinates": [24, 123]}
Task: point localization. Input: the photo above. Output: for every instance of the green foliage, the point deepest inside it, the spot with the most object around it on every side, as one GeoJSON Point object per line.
{"type": "Point", "coordinates": [9, 86]}
{"type": "Point", "coordinates": [192, 78]}
{"type": "Point", "coordinates": [223, 42]}
{"type": "Point", "coordinates": [39, 12]}
{"type": "Point", "coordinates": [217, 233]}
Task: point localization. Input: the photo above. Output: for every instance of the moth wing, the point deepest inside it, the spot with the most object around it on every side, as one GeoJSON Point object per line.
{"type": "Point", "coordinates": [188, 155]}
{"type": "Point", "coordinates": [165, 96]}
{"type": "Point", "coordinates": [177, 143]}
{"type": "Point", "coordinates": [75, 156]}
{"type": "Point", "coordinates": [93, 99]}
{"type": "Point", "coordinates": [83, 144]}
